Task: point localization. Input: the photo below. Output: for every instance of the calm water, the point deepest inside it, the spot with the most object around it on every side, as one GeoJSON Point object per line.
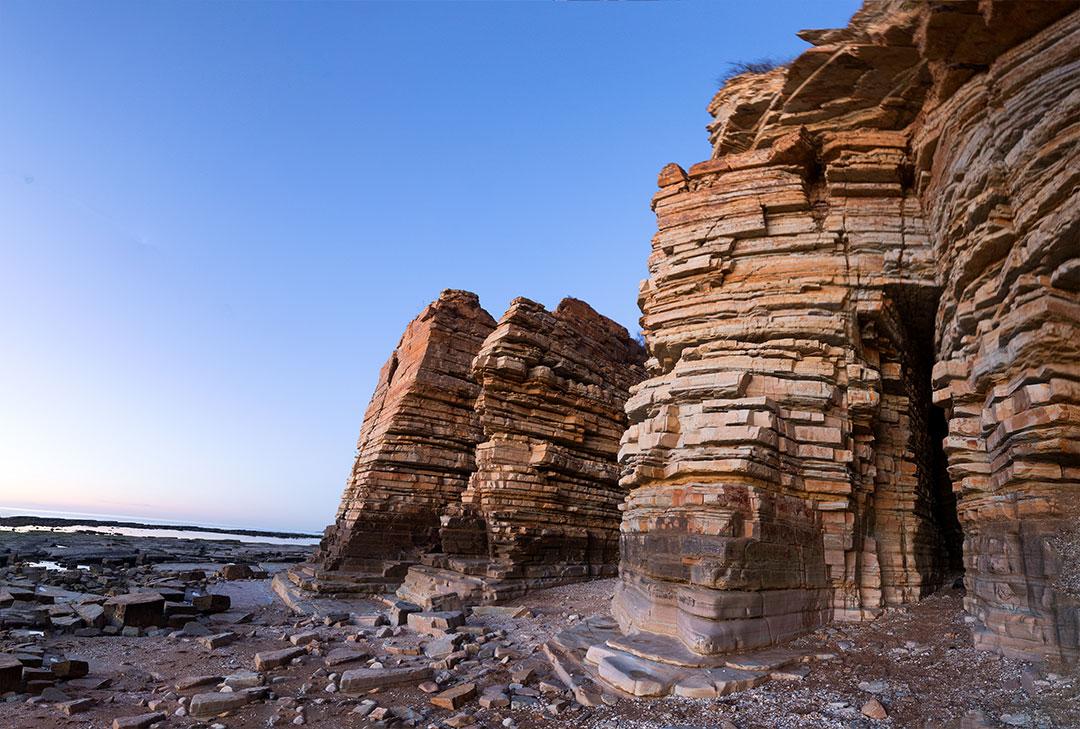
{"type": "Point", "coordinates": [155, 528]}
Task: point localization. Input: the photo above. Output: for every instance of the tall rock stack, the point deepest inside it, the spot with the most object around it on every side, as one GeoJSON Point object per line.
{"type": "Point", "coordinates": [888, 223]}
{"type": "Point", "coordinates": [415, 453]}
{"type": "Point", "coordinates": [553, 388]}
{"type": "Point", "coordinates": [487, 457]}
{"type": "Point", "coordinates": [542, 507]}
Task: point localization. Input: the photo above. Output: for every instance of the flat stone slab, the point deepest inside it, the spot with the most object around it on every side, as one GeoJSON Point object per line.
{"type": "Point", "coordinates": [70, 667]}
{"type": "Point", "coordinates": [500, 611]}
{"type": "Point", "coordinates": [436, 623]}
{"type": "Point", "coordinates": [212, 642]}
{"type": "Point", "coordinates": [663, 649]}
{"type": "Point", "coordinates": [136, 609]}
{"type": "Point", "coordinates": [141, 721]}
{"type": "Point", "coordinates": [310, 604]}
{"type": "Point", "coordinates": [203, 706]}
{"type": "Point", "coordinates": [791, 673]}
{"type": "Point", "coordinates": [211, 603]}
{"type": "Point", "coordinates": [634, 676]}
{"type": "Point", "coordinates": [766, 660]}
{"type": "Point", "coordinates": [92, 614]}
{"type": "Point", "coordinates": [631, 674]}
{"type": "Point", "coordinates": [338, 656]}
{"type": "Point", "coordinates": [243, 680]}
{"type": "Point", "coordinates": [309, 636]}
{"type": "Point", "coordinates": [362, 679]}
{"type": "Point", "coordinates": [186, 683]}
{"type": "Point", "coordinates": [696, 685]}
{"type": "Point", "coordinates": [730, 680]}
{"type": "Point", "coordinates": [638, 676]}
{"type": "Point", "coordinates": [456, 697]}
{"type": "Point", "coordinates": [77, 706]}
{"type": "Point", "coordinates": [266, 660]}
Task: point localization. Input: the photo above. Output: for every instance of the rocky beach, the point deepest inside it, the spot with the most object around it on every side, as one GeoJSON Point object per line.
{"type": "Point", "coordinates": [190, 633]}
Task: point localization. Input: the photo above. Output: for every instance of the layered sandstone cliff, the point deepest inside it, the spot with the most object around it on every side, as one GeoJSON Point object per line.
{"type": "Point", "coordinates": [489, 454]}
{"type": "Point", "coordinates": [553, 389]}
{"type": "Point", "coordinates": [887, 225]}
{"type": "Point", "coordinates": [415, 453]}
{"type": "Point", "coordinates": [542, 507]}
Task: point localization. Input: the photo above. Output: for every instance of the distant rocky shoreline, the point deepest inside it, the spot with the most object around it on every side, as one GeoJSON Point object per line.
{"type": "Point", "coordinates": [47, 522]}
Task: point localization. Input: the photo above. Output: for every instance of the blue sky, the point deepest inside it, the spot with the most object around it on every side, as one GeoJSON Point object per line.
{"type": "Point", "coordinates": [217, 218]}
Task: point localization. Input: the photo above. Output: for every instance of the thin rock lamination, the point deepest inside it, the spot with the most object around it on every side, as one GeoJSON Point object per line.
{"type": "Point", "coordinates": [542, 507]}
{"type": "Point", "coordinates": [862, 315]}
{"type": "Point", "coordinates": [415, 453]}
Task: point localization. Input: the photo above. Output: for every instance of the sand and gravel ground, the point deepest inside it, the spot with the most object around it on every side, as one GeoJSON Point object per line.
{"type": "Point", "coordinates": [919, 662]}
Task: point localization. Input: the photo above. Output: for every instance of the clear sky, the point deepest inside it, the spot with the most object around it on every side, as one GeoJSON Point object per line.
{"type": "Point", "coordinates": [217, 218]}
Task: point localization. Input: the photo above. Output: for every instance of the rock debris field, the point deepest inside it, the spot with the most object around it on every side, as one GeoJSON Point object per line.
{"type": "Point", "coordinates": [175, 645]}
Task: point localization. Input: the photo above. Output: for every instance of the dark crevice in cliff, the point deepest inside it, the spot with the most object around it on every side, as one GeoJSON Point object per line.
{"type": "Point", "coordinates": [939, 530]}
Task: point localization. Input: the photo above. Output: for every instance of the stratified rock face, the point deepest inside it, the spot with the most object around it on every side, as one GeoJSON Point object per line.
{"type": "Point", "coordinates": [487, 453]}
{"type": "Point", "coordinates": [888, 223]}
{"type": "Point", "coordinates": [542, 507]}
{"type": "Point", "coordinates": [553, 388]}
{"type": "Point", "coordinates": [416, 447]}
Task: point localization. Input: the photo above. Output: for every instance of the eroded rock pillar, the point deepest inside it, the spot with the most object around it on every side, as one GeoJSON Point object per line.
{"type": "Point", "coordinates": [415, 452]}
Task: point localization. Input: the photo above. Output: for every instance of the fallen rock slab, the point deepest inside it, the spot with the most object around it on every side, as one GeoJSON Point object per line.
{"type": "Point", "coordinates": [210, 642]}
{"type": "Point", "coordinates": [361, 679]}
{"type": "Point", "coordinates": [304, 638]}
{"type": "Point", "coordinates": [92, 614]}
{"type": "Point", "coordinates": [137, 722]}
{"type": "Point", "coordinates": [339, 656]}
{"type": "Point", "coordinates": [266, 660]}
{"type": "Point", "coordinates": [136, 610]}
{"type": "Point", "coordinates": [730, 680]}
{"type": "Point", "coordinates": [203, 706]}
{"type": "Point", "coordinates": [78, 706]}
{"type": "Point", "coordinates": [237, 572]}
{"type": "Point", "coordinates": [243, 680]}
{"type": "Point", "coordinates": [436, 623]}
{"type": "Point", "coordinates": [70, 668]}
{"type": "Point", "coordinates": [456, 697]}
{"type": "Point", "coordinates": [212, 603]}
{"type": "Point", "coordinates": [10, 673]}
{"type": "Point", "coordinates": [186, 683]}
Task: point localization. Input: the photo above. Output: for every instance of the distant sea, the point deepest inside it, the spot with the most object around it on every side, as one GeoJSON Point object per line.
{"type": "Point", "coordinates": [138, 526]}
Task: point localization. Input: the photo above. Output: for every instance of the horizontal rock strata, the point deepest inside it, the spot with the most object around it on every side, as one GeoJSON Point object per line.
{"type": "Point", "coordinates": [415, 453]}
{"type": "Point", "coordinates": [542, 507]}
{"type": "Point", "coordinates": [887, 224]}
{"type": "Point", "coordinates": [488, 452]}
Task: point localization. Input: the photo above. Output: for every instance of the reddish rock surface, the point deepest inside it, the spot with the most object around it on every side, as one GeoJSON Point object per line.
{"type": "Point", "coordinates": [542, 508]}
{"type": "Point", "coordinates": [489, 453]}
{"type": "Point", "coordinates": [887, 224]}
{"type": "Point", "coordinates": [415, 453]}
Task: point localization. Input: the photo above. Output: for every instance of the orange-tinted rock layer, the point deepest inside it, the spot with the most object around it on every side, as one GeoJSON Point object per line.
{"type": "Point", "coordinates": [543, 504]}
{"type": "Point", "coordinates": [863, 324]}
{"type": "Point", "coordinates": [487, 452]}
{"type": "Point", "coordinates": [416, 448]}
